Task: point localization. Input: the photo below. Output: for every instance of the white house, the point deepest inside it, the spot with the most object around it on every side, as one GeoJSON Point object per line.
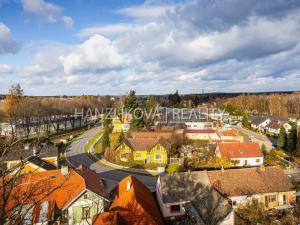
{"type": "Point", "coordinates": [260, 123]}
{"type": "Point", "coordinates": [198, 125]}
{"type": "Point", "coordinates": [191, 195]}
{"type": "Point", "coordinates": [242, 153]}
{"type": "Point", "coordinates": [275, 125]}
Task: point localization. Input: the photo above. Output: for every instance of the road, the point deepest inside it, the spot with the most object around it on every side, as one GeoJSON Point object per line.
{"type": "Point", "coordinates": [259, 138]}
{"type": "Point", "coordinates": [75, 156]}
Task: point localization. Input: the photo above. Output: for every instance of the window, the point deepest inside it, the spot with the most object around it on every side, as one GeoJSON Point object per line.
{"type": "Point", "coordinates": [257, 160]}
{"type": "Point", "coordinates": [271, 198]}
{"type": "Point", "coordinates": [158, 157]}
{"type": "Point", "coordinates": [233, 203]}
{"type": "Point", "coordinates": [245, 163]}
{"type": "Point", "coordinates": [86, 213]}
{"type": "Point", "coordinates": [175, 208]}
{"type": "Point", "coordinates": [124, 155]}
{"type": "Point", "coordinates": [138, 155]}
{"type": "Point", "coordinates": [85, 196]}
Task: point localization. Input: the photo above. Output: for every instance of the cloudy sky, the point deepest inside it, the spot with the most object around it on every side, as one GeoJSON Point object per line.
{"type": "Point", "coordinates": [76, 47]}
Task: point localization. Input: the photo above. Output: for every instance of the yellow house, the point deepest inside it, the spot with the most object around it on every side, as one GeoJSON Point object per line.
{"type": "Point", "coordinates": [117, 124]}
{"type": "Point", "coordinates": [147, 150]}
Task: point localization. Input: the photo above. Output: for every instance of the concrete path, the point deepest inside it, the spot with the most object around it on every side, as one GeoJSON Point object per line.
{"type": "Point", "coordinates": [75, 156]}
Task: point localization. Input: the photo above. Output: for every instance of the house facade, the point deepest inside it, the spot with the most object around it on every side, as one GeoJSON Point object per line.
{"type": "Point", "coordinates": [195, 134]}
{"type": "Point", "coordinates": [67, 196]}
{"type": "Point", "coordinates": [269, 186]}
{"type": "Point", "coordinates": [147, 150]}
{"type": "Point", "coordinates": [260, 123]}
{"type": "Point", "coordinates": [243, 154]}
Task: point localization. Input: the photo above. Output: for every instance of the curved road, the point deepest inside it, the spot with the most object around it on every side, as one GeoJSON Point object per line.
{"type": "Point", "coordinates": [75, 156]}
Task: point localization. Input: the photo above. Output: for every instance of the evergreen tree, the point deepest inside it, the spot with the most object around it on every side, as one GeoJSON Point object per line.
{"type": "Point", "coordinates": [106, 121]}
{"type": "Point", "coordinates": [105, 139]}
{"type": "Point", "coordinates": [137, 115]}
{"type": "Point", "coordinates": [174, 99]}
{"type": "Point", "coordinates": [131, 101]}
{"type": "Point", "coordinates": [292, 138]}
{"type": "Point", "coordinates": [264, 149]}
{"type": "Point", "coordinates": [282, 138]}
{"type": "Point", "coordinates": [245, 120]}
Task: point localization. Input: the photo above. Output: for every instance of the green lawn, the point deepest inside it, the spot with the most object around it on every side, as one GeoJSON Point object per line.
{"type": "Point", "coordinates": [91, 141]}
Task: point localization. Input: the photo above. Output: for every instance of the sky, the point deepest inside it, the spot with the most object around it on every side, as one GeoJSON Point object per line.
{"type": "Point", "coordinates": [77, 47]}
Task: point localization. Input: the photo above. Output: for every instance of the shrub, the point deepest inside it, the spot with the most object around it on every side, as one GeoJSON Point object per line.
{"type": "Point", "coordinates": [173, 168]}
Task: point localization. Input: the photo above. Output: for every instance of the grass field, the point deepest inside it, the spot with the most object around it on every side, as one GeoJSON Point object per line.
{"type": "Point", "coordinates": [89, 144]}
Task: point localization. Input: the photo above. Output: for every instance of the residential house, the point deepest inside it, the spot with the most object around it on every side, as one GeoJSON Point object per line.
{"type": "Point", "coordinates": [189, 197]}
{"type": "Point", "coordinates": [120, 125]}
{"type": "Point", "coordinates": [147, 150]}
{"type": "Point", "coordinates": [68, 196]}
{"type": "Point", "coordinates": [243, 154]}
{"type": "Point", "coordinates": [202, 125]}
{"type": "Point", "coordinates": [133, 204]}
{"type": "Point", "coordinates": [266, 185]}
{"type": "Point", "coordinates": [33, 158]}
{"type": "Point", "coordinates": [259, 123]}
{"type": "Point", "coordinates": [275, 125]}
{"type": "Point", "coordinates": [230, 136]}
{"type": "Point", "coordinates": [195, 134]}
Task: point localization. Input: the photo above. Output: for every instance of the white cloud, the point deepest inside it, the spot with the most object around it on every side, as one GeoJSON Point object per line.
{"type": "Point", "coordinates": [5, 69]}
{"type": "Point", "coordinates": [46, 11]}
{"type": "Point", "coordinates": [68, 21]}
{"type": "Point", "coordinates": [7, 44]}
{"type": "Point", "coordinates": [146, 11]}
{"type": "Point", "coordinates": [188, 47]}
{"type": "Point", "coordinates": [105, 30]}
{"type": "Point", "coordinates": [96, 53]}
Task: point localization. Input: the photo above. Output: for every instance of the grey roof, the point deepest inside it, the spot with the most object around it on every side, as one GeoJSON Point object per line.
{"type": "Point", "coordinates": [195, 188]}
{"type": "Point", "coordinates": [41, 163]}
{"type": "Point", "coordinates": [258, 120]}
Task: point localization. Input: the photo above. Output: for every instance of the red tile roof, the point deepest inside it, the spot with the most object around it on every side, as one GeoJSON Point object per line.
{"type": "Point", "coordinates": [228, 133]}
{"type": "Point", "coordinates": [239, 150]}
{"type": "Point", "coordinates": [132, 207]}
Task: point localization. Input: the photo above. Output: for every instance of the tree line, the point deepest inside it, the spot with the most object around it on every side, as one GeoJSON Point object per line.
{"type": "Point", "coordinates": [263, 104]}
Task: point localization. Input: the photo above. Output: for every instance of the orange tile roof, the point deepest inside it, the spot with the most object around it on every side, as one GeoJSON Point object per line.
{"type": "Point", "coordinates": [54, 186]}
{"type": "Point", "coordinates": [133, 207]}
{"type": "Point", "coordinates": [239, 150]}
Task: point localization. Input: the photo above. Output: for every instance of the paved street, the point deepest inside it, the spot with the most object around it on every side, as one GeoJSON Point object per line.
{"type": "Point", "coordinates": [259, 138]}
{"type": "Point", "coordinates": [75, 156]}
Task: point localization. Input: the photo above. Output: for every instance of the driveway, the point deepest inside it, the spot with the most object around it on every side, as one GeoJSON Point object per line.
{"type": "Point", "coordinates": [75, 156]}
{"type": "Point", "coordinates": [259, 138]}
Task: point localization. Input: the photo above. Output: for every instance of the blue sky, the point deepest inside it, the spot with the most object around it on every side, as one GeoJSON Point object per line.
{"type": "Point", "coordinates": [155, 47]}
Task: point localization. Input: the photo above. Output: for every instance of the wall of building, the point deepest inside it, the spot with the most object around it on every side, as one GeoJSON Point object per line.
{"type": "Point", "coordinates": [250, 161]}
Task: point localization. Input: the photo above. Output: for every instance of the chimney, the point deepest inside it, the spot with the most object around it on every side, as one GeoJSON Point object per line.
{"type": "Point", "coordinates": [128, 185]}
{"type": "Point", "coordinates": [64, 170]}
